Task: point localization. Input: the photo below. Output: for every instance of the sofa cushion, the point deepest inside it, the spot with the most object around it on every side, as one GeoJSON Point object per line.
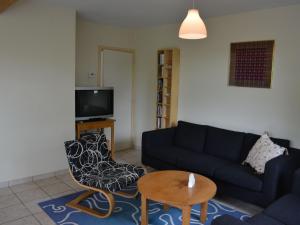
{"type": "Point", "coordinates": [286, 210]}
{"type": "Point", "coordinates": [262, 219]}
{"type": "Point", "coordinates": [190, 136]}
{"type": "Point", "coordinates": [251, 139]}
{"type": "Point", "coordinates": [203, 164]}
{"type": "Point", "coordinates": [262, 152]}
{"type": "Point", "coordinates": [240, 176]}
{"type": "Point", "coordinates": [167, 154]}
{"type": "Point", "coordinates": [225, 144]}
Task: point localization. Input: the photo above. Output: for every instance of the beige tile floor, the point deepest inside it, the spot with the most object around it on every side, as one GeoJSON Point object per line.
{"type": "Point", "coordinates": [19, 203]}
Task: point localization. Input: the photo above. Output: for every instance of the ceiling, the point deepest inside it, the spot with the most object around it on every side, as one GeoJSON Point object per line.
{"type": "Point", "coordinates": [143, 13]}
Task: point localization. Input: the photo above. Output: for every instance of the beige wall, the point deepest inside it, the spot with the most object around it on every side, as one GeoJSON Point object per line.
{"type": "Point", "coordinates": [89, 37]}
{"type": "Point", "coordinates": [205, 96]}
{"type": "Point", "coordinates": [37, 67]}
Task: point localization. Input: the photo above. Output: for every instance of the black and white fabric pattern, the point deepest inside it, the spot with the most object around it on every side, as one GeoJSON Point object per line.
{"type": "Point", "coordinates": [91, 164]}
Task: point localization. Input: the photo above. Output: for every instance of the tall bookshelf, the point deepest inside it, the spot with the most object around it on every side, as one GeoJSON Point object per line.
{"type": "Point", "coordinates": [167, 87]}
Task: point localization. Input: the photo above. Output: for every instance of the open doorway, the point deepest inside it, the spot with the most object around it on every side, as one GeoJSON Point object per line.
{"type": "Point", "coordinates": [116, 69]}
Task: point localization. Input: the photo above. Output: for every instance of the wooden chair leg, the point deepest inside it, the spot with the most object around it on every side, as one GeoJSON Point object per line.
{"type": "Point", "coordinates": [75, 204]}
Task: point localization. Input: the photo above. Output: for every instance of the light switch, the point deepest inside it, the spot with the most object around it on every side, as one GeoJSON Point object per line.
{"type": "Point", "coordinates": [91, 75]}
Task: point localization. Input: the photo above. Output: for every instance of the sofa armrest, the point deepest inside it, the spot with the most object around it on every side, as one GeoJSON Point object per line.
{"type": "Point", "coordinates": [296, 183]}
{"type": "Point", "coordinates": [158, 138]}
{"type": "Point", "coordinates": [228, 220]}
{"type": "Point", "coordinates": [278, 175]}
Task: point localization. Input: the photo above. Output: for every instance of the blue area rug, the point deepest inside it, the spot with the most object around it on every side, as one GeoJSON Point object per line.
{"type": "Point", "coordinates": [127, 212]}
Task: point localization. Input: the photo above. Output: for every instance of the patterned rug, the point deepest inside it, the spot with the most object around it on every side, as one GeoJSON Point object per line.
{"type": "Point", "coordinates": [127, 212]}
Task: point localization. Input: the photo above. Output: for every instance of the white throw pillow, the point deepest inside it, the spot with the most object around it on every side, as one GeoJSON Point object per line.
{"type": "Point", "coordinates": [263, 151]}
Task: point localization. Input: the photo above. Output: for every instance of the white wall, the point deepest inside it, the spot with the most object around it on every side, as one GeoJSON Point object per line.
{"type": "Point", "coordinates": [37, 79]}
{"type": "Point", "coordinates": [89, 37]}
{"type": "Point", "coordinates": [205, 96]}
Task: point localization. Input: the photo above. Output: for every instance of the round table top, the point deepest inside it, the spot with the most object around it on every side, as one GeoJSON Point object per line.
{"type": "Point", "coordinates": [171, 187]}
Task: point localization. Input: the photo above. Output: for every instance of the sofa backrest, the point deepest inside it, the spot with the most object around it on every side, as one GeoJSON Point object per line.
{"type": "Point", "coordinates": [224, 144]}
{"type": "Point", "coordinates": [251, 139]}
{"type": "Point", "coordinates": [190, 136]}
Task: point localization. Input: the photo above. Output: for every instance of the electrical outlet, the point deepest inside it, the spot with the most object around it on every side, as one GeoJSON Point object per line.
{"type": "Point", "coordinates": [91, 75]}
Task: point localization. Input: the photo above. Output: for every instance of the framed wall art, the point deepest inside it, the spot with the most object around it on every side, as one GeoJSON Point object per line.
{"type": "Point", "coordinates": [251, 64]}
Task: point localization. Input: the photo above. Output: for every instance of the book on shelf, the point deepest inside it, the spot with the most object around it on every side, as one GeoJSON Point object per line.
{"type": "Point", "coordinates": [161, 59]}
{"type": "Point", "coordinates": [160, 123]}
{"type": "Point", "coordinates": [161, 110]}
{"type": "Point", "coordinates": [168, 67]}
{"type": "Point", "coordinates": [159, 97]}
{"type": "Point", "coordinates": [160, 84]}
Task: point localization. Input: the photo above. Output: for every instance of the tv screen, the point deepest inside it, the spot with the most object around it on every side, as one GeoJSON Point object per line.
{"type": "Point", "coordinates": [93, 103]}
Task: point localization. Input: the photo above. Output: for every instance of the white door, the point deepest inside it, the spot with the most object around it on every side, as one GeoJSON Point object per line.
{"type": "Point", "coordinates": [117, 73]}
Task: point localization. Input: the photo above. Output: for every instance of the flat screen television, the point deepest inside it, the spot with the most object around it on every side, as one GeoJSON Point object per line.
{"type": "Point", "coordinates": [94, 103]}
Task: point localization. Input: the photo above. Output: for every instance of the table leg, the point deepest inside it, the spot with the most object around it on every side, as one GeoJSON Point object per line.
{"type": "Point", "coordinates": [203, 215]}
{"type": "Point", "coordinates": [144, 218]}
{"type": "Point", "coordinates": [186, 215]}
{"type": "Point", "coordinates": [166, 207]}
{"type": "Point", "coordinates": [77, 132]}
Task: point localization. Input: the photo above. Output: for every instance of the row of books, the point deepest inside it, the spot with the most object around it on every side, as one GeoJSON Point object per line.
{"type": "Point", "coordinates": [161, 122]}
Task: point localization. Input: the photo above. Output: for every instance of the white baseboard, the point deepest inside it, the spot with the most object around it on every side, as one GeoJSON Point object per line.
{"type": "Point", "coordinates": [138, 147]}
{"type": "Point", "coordinates": [45, 175]}
{"type": "Point", "coordinates": [6, 184]}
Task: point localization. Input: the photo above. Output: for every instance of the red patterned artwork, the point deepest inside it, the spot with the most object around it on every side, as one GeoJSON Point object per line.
{"type": "Point", "coordinates": [251, 64]}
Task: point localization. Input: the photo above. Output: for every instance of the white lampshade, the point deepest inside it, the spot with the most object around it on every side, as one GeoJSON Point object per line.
{"type": "Point", "coordinates": [193, 26]}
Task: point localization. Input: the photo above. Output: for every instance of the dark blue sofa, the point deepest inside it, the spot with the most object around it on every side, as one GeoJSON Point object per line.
{"type": "Point", "coordinates": [284, 211]}
{"type": "Point", "coordinates": [218, 153]}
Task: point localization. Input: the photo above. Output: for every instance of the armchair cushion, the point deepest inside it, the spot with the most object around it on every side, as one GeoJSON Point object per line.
{"type": "Point", "coordinates": [286, 209]}
{"type": "Point", "coordinates": [224, 144]}
{"type": "Point", "coordinates": [240, 176]}
{"type": "Point", "coordinates": [111, 176]}
{"type": "Point", "coordinates": [190, 136]}
{"type": "Point", "coordinates": [91, 165]}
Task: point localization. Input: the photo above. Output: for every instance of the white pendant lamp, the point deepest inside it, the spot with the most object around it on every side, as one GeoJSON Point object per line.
{"type": "Point", "coordinates": [193, 26]}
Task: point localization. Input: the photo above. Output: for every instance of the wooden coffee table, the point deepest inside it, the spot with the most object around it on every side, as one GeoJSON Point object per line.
{"type": "Point", "coordinates": [170, 188]}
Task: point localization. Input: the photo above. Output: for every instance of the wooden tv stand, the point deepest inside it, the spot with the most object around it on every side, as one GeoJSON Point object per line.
{"type": "Point", "coordinates": [97, 125]}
